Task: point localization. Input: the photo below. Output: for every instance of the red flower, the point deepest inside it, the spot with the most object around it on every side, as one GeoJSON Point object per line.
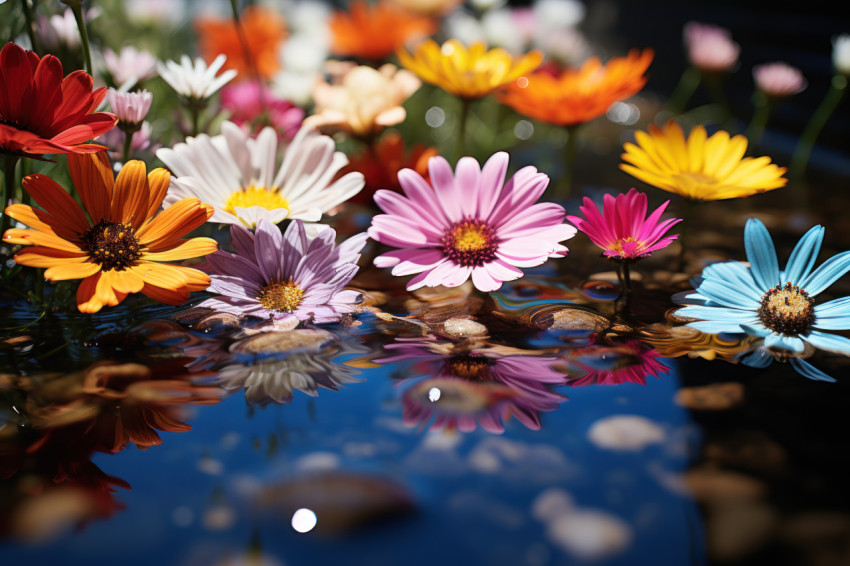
{"type": "Point", "coordinates": [43, 113]}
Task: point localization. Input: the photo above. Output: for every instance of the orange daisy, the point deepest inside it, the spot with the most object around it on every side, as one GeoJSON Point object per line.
{"type": "Point", "coordinates": [115, 243]}
{"type": "Point", "coordinates": [574, 97]}
{"type": "Point", "coordinates": [375, 32]}
{"type": "Point", "coordinates": [265, 31]}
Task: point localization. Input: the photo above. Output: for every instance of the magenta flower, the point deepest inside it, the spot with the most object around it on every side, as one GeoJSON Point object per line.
{"type": "Point", "coordinates": [622, 229]}
{"type": "Point", "coordinates": [627, 362]}
{"type": "Point", "coordinates": [280, 276]}
{"type": "Point", "coordinates": [470, 223]}
{"type": "Point", "coordinates": [253, 105]}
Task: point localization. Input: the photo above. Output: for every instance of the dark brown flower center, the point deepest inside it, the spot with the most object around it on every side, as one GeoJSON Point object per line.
{"type": "Point", "coordinates": [112, 245]}
{"type": "Point", "coordinates": [470, 243]}
{"type": "Point", "coordinates": [787, 310]}
{"type": "Point", "coordinates": [282, 296]}
{"type": "Point", "coordinates": [476, 368]}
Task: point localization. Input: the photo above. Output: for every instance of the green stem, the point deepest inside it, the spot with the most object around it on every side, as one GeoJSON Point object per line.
{"type": "Point", "coordinates": [715, 86]}
{"type": "Point", "coordinates": [688, 84]}
{"type": "Point", "coordinates": [465, 103]}
{"type": "Point", "coordinates": [683, 230]}
{"type": "Point", "coordinates": [627, 285]}
{"type": "Point", "coordinates": [77, 9]}
{"type": "Point", "coordinates": [761, 114]}
{"type": "Point", "coordinates": [128, 142]}
{"type": "Point", "coordinates": [196, 117]}
{"type": "Point", "coordinates": [8, 190]}
{"type": "Point", "coordinates": [570, 149]}
{"type": "Point", "coordinates": [816, 123]}
{"type": "Point", "coordinates": [31, 26]}
{"type": "Point", "coordinates": [249, 57]}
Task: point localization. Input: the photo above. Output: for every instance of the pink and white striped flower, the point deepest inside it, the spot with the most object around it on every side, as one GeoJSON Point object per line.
{"type": "Point", "coordinates": [622, 229]}
{"type": "Point", "coordinates": [468, 223]}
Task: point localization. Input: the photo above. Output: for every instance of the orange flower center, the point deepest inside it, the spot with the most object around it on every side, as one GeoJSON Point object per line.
{"type": "Point", "coordinates": [281, 296]}
{"type": "Point", "coordinates": [475, 368]}
{"type": "Point", "coordinates": [787, 310]}
{"type": "Point", "coordinates": [470, 243]}
{"type": "Point", "coordinates": [112, 245]}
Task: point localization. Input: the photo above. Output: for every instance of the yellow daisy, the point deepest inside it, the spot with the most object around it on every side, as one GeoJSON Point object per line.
{"type": "Point", "coordinates": [467, 73]}
{"type": "Point", "coordinates": [116, 242]}
{"type": "Point", "coordinates": [701, 167]}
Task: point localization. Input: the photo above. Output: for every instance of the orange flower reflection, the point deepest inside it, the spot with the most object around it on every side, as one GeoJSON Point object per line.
{"type": "Point", "coordinates": [375, 32]}
{"type": "Point", "coordinates": [573, 97]}
{"type": "Point", "coordinates": [48, 480]}
{"type": "Point", "coordinates": [265, 31]}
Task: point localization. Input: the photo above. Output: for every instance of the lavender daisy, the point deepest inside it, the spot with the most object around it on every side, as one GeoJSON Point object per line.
{"type": "Point", "coordinates": [285, 276]}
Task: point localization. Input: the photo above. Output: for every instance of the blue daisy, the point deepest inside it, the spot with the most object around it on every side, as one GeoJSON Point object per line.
{"type": "Point", "coordinates": [775, 305]}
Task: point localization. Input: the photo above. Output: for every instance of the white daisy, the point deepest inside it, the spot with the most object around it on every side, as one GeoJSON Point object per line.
{"type": "Point", "coordinates": [235, 173]}
{"type": "Point", "coordinates": [195, 81]}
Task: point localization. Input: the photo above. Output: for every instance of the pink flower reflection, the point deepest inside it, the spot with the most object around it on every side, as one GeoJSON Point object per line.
{"type": "Point", "coordinates": [630, 361]}
{"type": "Point", "coordinates": [467, 385]}
{"type": "Point", "coordinates": [252, 105]}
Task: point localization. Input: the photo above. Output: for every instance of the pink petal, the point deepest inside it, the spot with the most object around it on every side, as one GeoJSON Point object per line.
{"type": "Point", "coordinates": [443, 181]}
{"type": "Point", "coordinates": [483, 281]}
{"type": "Point", "coordinates": [467, 186]}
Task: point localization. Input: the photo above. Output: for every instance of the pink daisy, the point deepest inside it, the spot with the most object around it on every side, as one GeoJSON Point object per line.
{"type": "Point", "coordinates": [470, 223]}
{"type": "Point", "coordinates": [627, 362]}
{"type": "Point", "coordinates": [622, 229]}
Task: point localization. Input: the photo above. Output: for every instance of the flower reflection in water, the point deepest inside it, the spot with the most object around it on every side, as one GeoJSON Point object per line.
{"type": "Point", "coordinates": [282, 362]}
{"type": "Point", "coordinates": [56, 424]}
{"type": "Point", "coordinates": [470, 383]}
{"type": "Point", "coordinates": [627, 361]}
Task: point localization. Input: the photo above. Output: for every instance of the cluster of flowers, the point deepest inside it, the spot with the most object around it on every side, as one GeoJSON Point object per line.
{"type": "Point", "coordinates": [447, 225]}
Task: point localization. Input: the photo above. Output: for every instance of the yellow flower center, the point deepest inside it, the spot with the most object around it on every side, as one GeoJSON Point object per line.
{"type": "Point", "coordinates": [269, 199]}
{"type": "Point", "coordinates": [112, 245]}
{"type": "Point", "coordinates": [787, 310]}
{"type": "Point", "coordinates": [470, 243]}
{"type": "Point", "coordinates": [282, 296]}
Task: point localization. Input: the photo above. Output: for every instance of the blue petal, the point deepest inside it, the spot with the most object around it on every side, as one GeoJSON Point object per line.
{"type": "Point", "coordinates": [735, 273]}
{"type": "Point", "coordinates": [791, 343]}
{"type": "Point", "coordinates": [727, 295]}
{"type": "Point", "coordinates": [833, 315]}
{"type": "Point", "coordinates": [806, 369]}
{"type": "Point", "coordinates": [827, 274]}
{"type": "Point", "coordinates": [760, 358]}
{"type": "Point", "coordinates": [722, 314]}
{"type": "Point", "coordinates": [716, 327]}
{"type": "Point", "coordinates": [804, 255]}
{"type": "Point", "coordinates": [761, 254]}
{"type": "Point", "coordinates": [829, 342]}
{"type": "Point", "coordinates": [757, 329]}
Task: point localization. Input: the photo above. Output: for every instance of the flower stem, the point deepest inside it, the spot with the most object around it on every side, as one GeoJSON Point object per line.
{"type": "Point", "coordinates": [465, 103]}
{"type": "Point", "coordinates": [8, 190]}
{"type": "Point", "coordinates": [818, 120]}
{"type": "Point", "coordinates": [683, 229]}
{"type": "Point", "coordinates": [31, 26]}
{"type": "Point", "coordinates": [77, 9]}
{"type": "Point", "coordinates": [570, 149]}
{"type": "Point", "coordinates": [688, 84]}
{"type": "Point", "coordinates": [128, 142]}
{"type": "Point", "coordinates": [763, 108]}
{"type": "Point", "coordinates": [249, 57]}
{"type": "Point", "coordinates": [195, 111]}
{"type": "Point", "coordinates": [715, 86]}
